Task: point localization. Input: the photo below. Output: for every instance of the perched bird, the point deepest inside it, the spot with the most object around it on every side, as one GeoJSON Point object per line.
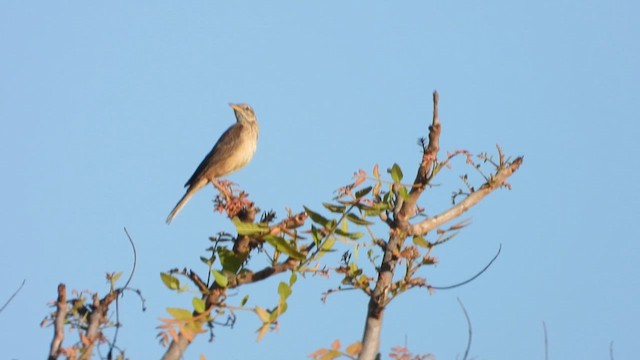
{"type": "Point", "coordinates": [234, 150]}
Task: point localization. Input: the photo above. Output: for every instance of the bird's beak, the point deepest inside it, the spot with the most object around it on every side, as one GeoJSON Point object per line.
{"type": "Point", "coordinates": [235, 107]}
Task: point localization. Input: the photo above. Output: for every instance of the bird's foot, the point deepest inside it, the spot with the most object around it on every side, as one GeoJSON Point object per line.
{"type": "Point", "coordinates": [230, 200]}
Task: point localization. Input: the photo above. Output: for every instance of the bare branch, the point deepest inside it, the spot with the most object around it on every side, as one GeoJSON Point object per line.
{"type": "Point", "coordinates": [135, 258]}
{"type": "Point", "coordinates": [13, 295]}
{"type": "Point", "coordinates": [251, 277]}
{"type": "Point", "coordinates": [326, 294]}
{"type": "Point", "coordinates": [472, 278]}
{"type": "Point", "coordinates": [97, 317]}
{"type": "Point", "coordinates": [496, 182]}
{"type": "Point", "coordinates": [112, 344]}
{"type": "Point", "coordinates": [546, 341]}
{"type": "Point", "coordinates": [430, 153]}
{"type": "Point", "coordinates": [61, 314]}
{"type": "Point", "coordinates": [291, 222]}
{"type": "Point", "coordinates": [611, 350]}
{"type": "Point", "coordinates": [466, 315]}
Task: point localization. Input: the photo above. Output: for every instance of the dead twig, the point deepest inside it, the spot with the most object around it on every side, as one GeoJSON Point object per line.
{"type": "Point", "coordinates": [466, 315]}
{"type": "Point", "coordinates": [472, 278]}
{"type": "Point", "coordinates": [13, 295]}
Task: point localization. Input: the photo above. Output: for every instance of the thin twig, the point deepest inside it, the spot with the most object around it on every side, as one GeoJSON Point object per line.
{"type": "Point", "coordinates": [135, 258]}
{"type": "Point", "coordinates": [12, 296]}
{"type": "Point", "coordinates": [466, 315]}
{"type": "Point", "coordinates": [611, 350]}
{"type": "Point", "coordinates": [471, 279]}
{"type": "Point", "coordinates": [546, 341]}
{"type": "Point", "coordinates": [115, 335]}
{"type": "Point", "coordinates": [133, 270]}
{"type": "Point", "coordinates": [326, 294]}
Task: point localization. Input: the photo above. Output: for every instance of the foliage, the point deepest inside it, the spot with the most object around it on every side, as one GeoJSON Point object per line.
{"type": "Point", "coordinates": [350, 222]}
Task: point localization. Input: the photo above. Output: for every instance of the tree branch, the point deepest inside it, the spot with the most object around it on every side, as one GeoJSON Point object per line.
{"type": "Point", "coordinates": [97, 317]}
{"type": "Point", "coordinates": [251, 277]}
{"type": "Point", "coordinates": [466, 316]}
{"type": "Point", "coordinates": [13, 295]}
{"type": "Point", "coordinates": [470, 279]}
{"type": "Point", "coordinates": [430, 153]}
{"type": "Point", "coordinates": [61, 314]}
{"type": "Point", "coordinates": [379, 296]}
{"type": "Point", "coordinates": [496, 182]}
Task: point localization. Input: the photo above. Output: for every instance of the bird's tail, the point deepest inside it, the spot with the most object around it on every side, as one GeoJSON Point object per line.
{"type": "Point", "coordinates": [192, 190]}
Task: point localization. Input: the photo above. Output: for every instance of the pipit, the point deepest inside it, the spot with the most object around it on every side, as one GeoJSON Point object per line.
{"type": "Point", "coordinates": [234, 150]}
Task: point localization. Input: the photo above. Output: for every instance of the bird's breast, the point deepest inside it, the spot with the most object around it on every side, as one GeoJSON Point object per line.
{"type": "Point", "coordinates": [248, 143]}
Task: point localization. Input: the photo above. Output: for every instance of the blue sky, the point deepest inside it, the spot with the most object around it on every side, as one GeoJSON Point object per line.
{"type": "Point", "coordinates": [108, 108]}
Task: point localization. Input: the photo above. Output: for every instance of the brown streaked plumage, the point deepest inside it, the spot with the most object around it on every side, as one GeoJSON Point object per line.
{"type": "Point", "coordinates": [234, 150]}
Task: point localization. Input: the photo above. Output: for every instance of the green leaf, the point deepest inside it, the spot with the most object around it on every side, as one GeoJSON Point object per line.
{"type": "Point", "coordinates": [343, 230]}
{"type": "Point", "coordinates": [328, 245]}
{"type": "Point", "coordinates": [396, 173]}
{"type": "Point", "coordinates": [198, 305]}
{"type": "Point", "coordinates": [284, 290]}
{"type": "Point", "coordinates": [352, 236]}
{"type": "Point", "coordinates": [363, 192]}
{"type": "Point", "coordinates": [180, 314]}
{"type": "Point", "coordinates": [315, 234]}
{"type": "Point", "coordinates": [244, 300]}
{"type": "Point", "coordinates": [331, 225]}
{"type": "Point", "coordinates": [338, 209]}
{"type": "Point", "coordinates": [315, 217]}
{"type": "Point", "coordinates": [420, 241]}
{"type": "Point", "coordinates": [375, 210]}
{"type": "Point", "coordinates": [116, 277]}
{"type": "Point", "coordinates": [263, 315]}
{"type": "Point", "coordinates": [170, 281]}
{"type": "Point", "coordinates": [402, 191]}
{"type": "Point", "coordinates": [358, 221]}
{"type": "Point", "coordinates": [220, 278]}
{"type": "Point", "coordinates": [387, 198]}
{"type": "Point", "coordinates": [293, 278]}
{"type": "Point", "coordinates": [205, 260]}
{"type": "Point", "coordinates": [284, 247]}
{"type": "Point", "coordinates": [280, 309]}
{"type": "Point", "coordinates": [229, 260]}
{"type": "Point", "coordinates": [245, 228]}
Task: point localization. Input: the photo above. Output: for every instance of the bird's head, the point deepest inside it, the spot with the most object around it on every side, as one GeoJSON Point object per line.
{"type": "Point", "coordinates": [244, 112]}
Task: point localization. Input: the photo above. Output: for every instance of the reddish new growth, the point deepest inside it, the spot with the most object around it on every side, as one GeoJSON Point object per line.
{"type": "Point", "coordinates": [230, 200]}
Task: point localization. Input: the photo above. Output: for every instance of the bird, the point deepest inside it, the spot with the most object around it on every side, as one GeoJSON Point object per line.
{"type": "Point", "coordinates": [232, 151]}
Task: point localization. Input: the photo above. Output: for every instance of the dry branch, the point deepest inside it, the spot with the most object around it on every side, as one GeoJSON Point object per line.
{"type": "Point", "coordinates": [496, 182]}
{"type": "Point", "coordinates": [429, 156]}
{"type": "Point", "coordinates": [61, 314]}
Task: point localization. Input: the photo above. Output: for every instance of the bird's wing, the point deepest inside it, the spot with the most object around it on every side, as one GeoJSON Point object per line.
{"type": "Point", "coordinates": [220, 152]}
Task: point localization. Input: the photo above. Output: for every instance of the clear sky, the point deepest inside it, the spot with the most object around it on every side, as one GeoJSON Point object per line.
{"type": "Point", "coordinates": [107, 108]}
